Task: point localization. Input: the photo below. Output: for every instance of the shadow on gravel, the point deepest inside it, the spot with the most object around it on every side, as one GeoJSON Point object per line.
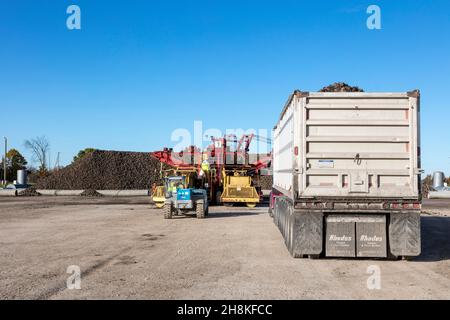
{"type": "Point", "coordinates": [435, 239]}
{"type": "Point", "coordinates": [213, 215]}
{"type": "Point", "coordinates": [234, 214]}
{"type": "Point", "coordinates": [235, 211]}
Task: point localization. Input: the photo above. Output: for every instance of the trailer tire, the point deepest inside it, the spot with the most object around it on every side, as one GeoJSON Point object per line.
{"type": "Point", "coordinates": [407, 258]}
{"type": "Point", "coordinates": [391, 256]}
{"type": "Point", "coordinates": [200, 209]}
{"type": "Point", "coordinates": [290, 238]}
{"type": "Point", "coordinates": [167, 211]}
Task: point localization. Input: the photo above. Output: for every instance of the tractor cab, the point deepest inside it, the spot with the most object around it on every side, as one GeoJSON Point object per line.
{"type": "Point", "coordinates": [173, 184]}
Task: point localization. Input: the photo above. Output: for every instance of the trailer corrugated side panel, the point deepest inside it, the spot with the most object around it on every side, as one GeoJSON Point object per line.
{"type": "Point", "coordinates": [349, 145]}
{"type": "Point", "coordinates": [283, 149]}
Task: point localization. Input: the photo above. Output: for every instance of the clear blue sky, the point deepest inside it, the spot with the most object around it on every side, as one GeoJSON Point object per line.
{"type": "Point", "coordinates": [137, 70]}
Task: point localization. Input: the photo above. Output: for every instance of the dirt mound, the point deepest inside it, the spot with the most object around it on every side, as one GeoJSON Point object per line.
{"type": "Point", "coordinates": [103, 170]}
{"type": "Point", "coordinates": [91, 193]}
{"type": "Point", "coordinates": [341, 87]}
{"type": "Point", "coordinates": [28, 192]}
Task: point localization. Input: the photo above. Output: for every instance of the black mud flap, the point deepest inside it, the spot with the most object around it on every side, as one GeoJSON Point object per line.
{"type": "Point", "coordinates": [404, 234]}
{"type": "Point", "coordinates": [307, 234]}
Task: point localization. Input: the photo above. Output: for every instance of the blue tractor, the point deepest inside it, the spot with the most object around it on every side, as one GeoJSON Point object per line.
{"type": "Point", "coordinates": [183, 198]}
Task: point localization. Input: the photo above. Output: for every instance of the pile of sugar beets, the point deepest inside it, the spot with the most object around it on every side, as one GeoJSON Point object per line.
{"type": "Point", "coordinates": [106, 170]}
{"type": "Point", "coordinates": [341, 87]}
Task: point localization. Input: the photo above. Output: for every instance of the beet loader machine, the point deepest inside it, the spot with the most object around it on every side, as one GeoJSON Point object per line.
{"type": "Point", "coordinates": [227, 178]}
{"type": "Point", "coordinates": [233, 172]}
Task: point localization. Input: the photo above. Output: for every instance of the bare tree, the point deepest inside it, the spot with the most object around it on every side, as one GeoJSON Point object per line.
{"type": "Point", "coordinates": [39, 147]}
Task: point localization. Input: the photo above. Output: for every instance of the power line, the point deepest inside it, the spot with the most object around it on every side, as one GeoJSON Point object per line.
{"type": "Point", "coordinates": [4, 160]}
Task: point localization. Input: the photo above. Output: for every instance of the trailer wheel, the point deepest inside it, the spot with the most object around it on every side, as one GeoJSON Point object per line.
{"type": "Point", "coordinates": [290, 239]}
{"type": "Point", "coordinates": [392, 257]}
{"type": "Point", "coordinates": [200, 209]}
{"type": "Point", "coordinates": [167, 211]}
{"type": "Point", "coordinates": [251, 204]}
{"type": "Point", "coordinates": [407, 258]}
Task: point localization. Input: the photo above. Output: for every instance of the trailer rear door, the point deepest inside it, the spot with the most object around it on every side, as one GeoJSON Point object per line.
{"type": "Point", "coordinates": [358, 145]}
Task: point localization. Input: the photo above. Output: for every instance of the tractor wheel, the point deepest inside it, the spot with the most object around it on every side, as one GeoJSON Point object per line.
{"type": "Point", "coordinates": [168, 211]}
{"type": "Point", "coordinates": [159, 204]}
{"type": "Point", "coordinates": [251, 204]}
{"type": "Point", "coordinates": [200, 209]}
{"type": "Point", "coordinates": [218, 196]}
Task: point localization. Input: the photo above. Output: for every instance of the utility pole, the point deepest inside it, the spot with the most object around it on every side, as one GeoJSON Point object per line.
{"type": "Point", "coordinates": [57, 161]}
{"type": "Point", "coordinates": [4, 161]}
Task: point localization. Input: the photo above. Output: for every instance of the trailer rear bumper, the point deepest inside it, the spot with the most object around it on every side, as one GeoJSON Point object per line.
{"type": "Point", "coordinates": [370, 233]}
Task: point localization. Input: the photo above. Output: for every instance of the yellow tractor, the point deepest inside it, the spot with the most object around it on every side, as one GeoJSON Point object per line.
{"type": "Point", "coordinates": [238, 188]}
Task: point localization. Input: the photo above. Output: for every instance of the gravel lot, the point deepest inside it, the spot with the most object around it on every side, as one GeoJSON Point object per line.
{"type": "Point", "coordinates": [126, 250]}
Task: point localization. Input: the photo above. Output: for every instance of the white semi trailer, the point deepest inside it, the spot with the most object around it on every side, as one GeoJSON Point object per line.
{"type": "Point", "coordinates": [346, 171]}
